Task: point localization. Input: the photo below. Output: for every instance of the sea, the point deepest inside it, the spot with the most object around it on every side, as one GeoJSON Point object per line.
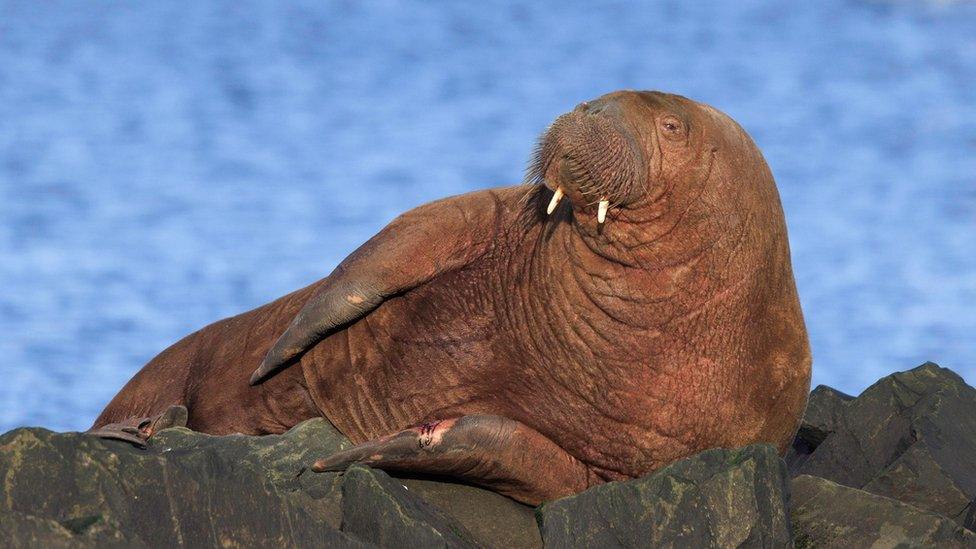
{"type": "Point", "coordinates": [167, 164]}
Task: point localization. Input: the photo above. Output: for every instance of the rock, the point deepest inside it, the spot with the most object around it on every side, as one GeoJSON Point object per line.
{"type": "Point", "coordinates": [72, 490]}
{"type": "Point", "coordinates": [825, 410]}
{"type": "Point", "coordinates": [495, 520]}
{"type": "Point", "coordinates": [491, 519]}
{"type": "Point", "coordinates": [75, 490]}
{"type": "Point", "coordinates": [719, 498]}
{"type": "Point", "coordinates": [911, 436]}
{"type": "Point", "coordinates": [970, 521]}
{"type": "Point", "coordinates": [380, 510]}
{"type": "Point", "coordinates": [826, 514]}
{"type": "Point", "coordinates": [23, 530]}
{"type": "Point", "coordinates": [283, 459]}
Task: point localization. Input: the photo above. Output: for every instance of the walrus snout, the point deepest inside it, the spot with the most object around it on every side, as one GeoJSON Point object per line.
{"type": "Point", "coordinates": [590, 155]}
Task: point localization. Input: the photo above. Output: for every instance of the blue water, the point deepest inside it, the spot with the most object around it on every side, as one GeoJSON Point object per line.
{"type": "Point", "coordinates": [167, 164]}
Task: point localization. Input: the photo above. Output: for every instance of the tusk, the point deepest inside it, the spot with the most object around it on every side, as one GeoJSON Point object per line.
{"type": "Point", "coordinates": [601, 214]}
{"type": "Point", "coordinates": [555, 200]}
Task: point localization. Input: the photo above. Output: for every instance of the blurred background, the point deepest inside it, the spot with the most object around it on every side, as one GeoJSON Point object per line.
{"type": "Point", "coordinates": [167, 164]}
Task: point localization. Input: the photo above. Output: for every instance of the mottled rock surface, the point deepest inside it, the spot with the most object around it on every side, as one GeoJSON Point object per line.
{"type": "Point", "coordinates": [911, 436]}
{"type": "Point", "coordinates": [75, 490]}
{"type": "Point", "coordinates": [190, 489]}
{"type": "Point", "coordinates": [719, 498]}
{"type": "Point", "coordinates": [824, 413]}
{"type": "Point", "coordinates": [378, 509]}
{"type": "Point", "coordinates": [826, 514]}
{"type": "Point", "coordinates": [893, 467]}
{"type": "Point", "coordinates": [970, 521]}
{"type": "Point", "coordinates": [494, 520]}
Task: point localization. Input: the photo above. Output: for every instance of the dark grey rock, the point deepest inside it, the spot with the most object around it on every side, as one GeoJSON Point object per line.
{"type": "Point", "coordinates": [22, 530]}
{"type": "Point", "coordinates": [970, 521]}
{"type": "Point", "coordinates": [495, 520]}
{"type": "Point", "coordinates": [825, 411]}
{"type": "Point", "coordinates": [719, 498]}
{"type": "Point", "coordinates": [910, 436]}
{"type": "Point", "coordinates": [188, 488]}
{"type": "Point", "coordinates": [283, 459]}
{"type": "Point", "coordinates": [78, 491]}
{"type": "Point", "coordinates": [378, 509]}
{"type": "Point", "coordinates": [826, 514]}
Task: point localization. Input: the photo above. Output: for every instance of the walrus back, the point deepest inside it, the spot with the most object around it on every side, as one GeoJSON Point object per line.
{"type": "Point", "coordinates": [207, 371]}
{"type": "Point", "coordinates": [159, 384]}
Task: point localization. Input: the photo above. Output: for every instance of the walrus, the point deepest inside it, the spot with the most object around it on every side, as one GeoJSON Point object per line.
{"type": "Point", "coordinates": [630, 304]}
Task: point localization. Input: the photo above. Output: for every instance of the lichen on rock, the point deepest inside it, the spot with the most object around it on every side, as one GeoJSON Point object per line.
{"type": "Point", "coordinates": [911, 436]}
{"type": "Point", "coordinates": [719, 498]}
{"type": "Point", "coordinates": [892, 467]}
{"type": "Point", "coordinates": [827, 514]}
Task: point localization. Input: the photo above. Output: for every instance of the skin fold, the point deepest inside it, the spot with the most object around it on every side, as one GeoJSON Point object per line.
{"type": "Point", "coordinates": [478, 336]}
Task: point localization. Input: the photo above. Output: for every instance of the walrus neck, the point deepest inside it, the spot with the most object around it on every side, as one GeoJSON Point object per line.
{"type": "Point", "coordinates": [615, 284]}
{"type": "Point", "coordinates": [626, 279]}
{"type": "Point", "coordinates": [648, 240]}
{"type": "Point", "coordinates": [630, 272]}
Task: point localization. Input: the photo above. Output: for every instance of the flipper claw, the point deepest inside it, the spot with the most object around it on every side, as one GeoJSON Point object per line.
{"type": "Point", "coordinates": [493, 451]}
{"type": "Point", "coordinates": [137, 431]}
{"type": "Point", "coordinates": [400, 448]}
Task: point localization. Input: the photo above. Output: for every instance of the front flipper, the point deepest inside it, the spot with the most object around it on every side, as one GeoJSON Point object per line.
{"type": "Point", "coordinates": [138, 430]}
{"type": "Point", "coordinates": [492, 451]}
{"type": "Point", "coordinates": [413, 249]}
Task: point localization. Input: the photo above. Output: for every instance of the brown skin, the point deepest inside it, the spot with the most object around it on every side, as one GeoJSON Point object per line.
{"type": "Point", "coordinates": [604, 350]}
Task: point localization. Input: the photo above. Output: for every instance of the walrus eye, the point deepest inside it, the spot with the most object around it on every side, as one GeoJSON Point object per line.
{"type": "Point", "coordinates": [673, 128]}
{"type": "Point", "coordinates": [671, 123]}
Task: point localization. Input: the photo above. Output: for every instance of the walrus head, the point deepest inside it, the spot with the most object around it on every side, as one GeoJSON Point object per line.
{"type": "Point", "coordinates": [624, 151]}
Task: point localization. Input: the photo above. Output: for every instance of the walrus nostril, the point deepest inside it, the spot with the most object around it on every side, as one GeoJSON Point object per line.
{"type": "Point", "coordinates": [592, 107]}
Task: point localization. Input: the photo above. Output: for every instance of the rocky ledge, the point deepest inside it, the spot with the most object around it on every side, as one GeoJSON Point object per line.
{"type": "Point", "coordinates": [894, 467]}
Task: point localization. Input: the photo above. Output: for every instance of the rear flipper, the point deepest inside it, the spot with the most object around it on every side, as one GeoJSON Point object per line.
{"type": "Point", "coordinates": [138, 430]}
{"type": "Point", "coordinates": [496, 452]}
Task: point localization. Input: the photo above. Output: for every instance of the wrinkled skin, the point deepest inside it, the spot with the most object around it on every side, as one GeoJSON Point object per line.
{"type": "Point", "coordinates": [496, 339]}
